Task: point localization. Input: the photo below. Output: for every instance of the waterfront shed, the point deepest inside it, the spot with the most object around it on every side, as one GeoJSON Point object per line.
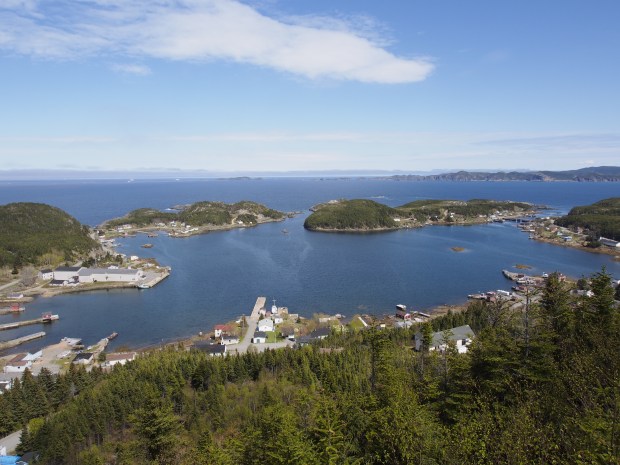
{"type": "Point", "coordinates": [66, 273]}
{"type": "Point", "coordinates": [94, 275]}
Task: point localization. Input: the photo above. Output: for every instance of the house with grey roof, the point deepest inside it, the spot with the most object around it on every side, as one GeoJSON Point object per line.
{"type": "Point", "coordinates": [461, 336]}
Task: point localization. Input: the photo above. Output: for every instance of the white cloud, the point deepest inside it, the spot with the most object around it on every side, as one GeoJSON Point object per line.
{"type": "Point", "coordinates": [203, 30]}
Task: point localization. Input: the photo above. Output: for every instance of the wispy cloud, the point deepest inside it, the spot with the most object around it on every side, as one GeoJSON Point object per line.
{"type": "Point", "coordinates": [204, 30]}
{"type": "Point", "coordinates": [127, 68]}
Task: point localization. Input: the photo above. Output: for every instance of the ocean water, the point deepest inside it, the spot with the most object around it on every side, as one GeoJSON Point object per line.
{"type": "Point", "coordinates": [216, 277]}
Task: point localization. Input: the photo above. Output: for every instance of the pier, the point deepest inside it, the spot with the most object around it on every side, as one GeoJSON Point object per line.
{"type": "Point", "coordinates": [152, 279]}
{"type": "Point", "coordinates": [252, 321]}
{"type": "Point", "coordinates": [20, 340]}
{"type": "Point", "coordinates": [19, 324]}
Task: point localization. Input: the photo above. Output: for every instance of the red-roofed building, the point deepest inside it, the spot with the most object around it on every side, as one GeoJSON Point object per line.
{"type": "Point", "coordinates": [219, 329]}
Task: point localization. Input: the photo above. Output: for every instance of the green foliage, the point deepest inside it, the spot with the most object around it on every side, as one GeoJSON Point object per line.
{"type": "Point", "coordinates": [601, 218]}
{"type": "Point", "coordinates": [30, 231]}
{"type": "Point", "coordinates": [356, 214]}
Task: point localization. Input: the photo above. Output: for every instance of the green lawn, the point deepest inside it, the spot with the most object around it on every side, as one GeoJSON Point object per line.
{"type": "Point", "coordinates": [272, 336]}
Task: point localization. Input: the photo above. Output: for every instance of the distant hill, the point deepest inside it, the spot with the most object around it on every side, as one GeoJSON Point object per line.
{"type": "Point", "coordinates": [200, 214]}
{"type": "Point", "coordinates": [367, 215]}
{"type": "Point", "coordinates": [601, 218]}
{"type": "Point", "coordinates": [592, 174]}
{"type": "Point", "coordinates": [35, 233]}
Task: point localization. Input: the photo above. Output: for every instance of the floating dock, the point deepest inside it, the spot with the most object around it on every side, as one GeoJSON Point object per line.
{"type": "Point", "coordinates": [19, 324]}
{"type": "Point", "coordinates": [20, 340]}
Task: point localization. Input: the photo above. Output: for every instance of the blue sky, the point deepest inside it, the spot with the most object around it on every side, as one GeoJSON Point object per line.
{"type": "Point", "coordinates": [268, 85]}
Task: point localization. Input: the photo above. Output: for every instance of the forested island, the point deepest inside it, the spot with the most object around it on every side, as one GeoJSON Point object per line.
{"type": "Point", "coordinates": [362, 215]}
{"type": "Point", "coordinates": [537, 385]}
{"type": "Point", "coordinates": [39, 234]}
{"type": "Point", "coordinates": [196, 218]}
{"type": "Point", "coordinates": [599, 219]}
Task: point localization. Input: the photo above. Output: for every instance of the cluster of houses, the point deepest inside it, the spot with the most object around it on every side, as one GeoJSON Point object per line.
{"type": "Point", "coordinates": [21, 362]}
{"type": "Point", "coordinates": [74, 275]}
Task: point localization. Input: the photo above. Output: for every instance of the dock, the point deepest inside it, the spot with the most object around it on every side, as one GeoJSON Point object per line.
{"type": "Point", "coordinates": [153, 279]}
{"type": "Point", "coordinates": [19, 324]}
{"type": "Point", "coordinates": [21, 340]}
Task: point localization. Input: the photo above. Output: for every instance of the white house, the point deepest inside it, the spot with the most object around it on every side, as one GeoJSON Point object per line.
{"type": "Point", "coordinates": [226, 339]}
{"type": "Point", "coordinates": [46, 274]}
{"type": "Point", "coordinates": [259, 338]}
{"type": "Point", "coordinates": [103, 275]}
{"type": "Point", "coordinates": [120, 358]}
{"type": "Point", "coordinates": [461, 336]}
{"type": "Point", "coordinates": [218, 330]}
{"type": "Point", "coordinates": [277, 319]}
{"type": "Point", "coordinates": [18, 364]}
{"type": "Point", "coordinates": [265, 325]}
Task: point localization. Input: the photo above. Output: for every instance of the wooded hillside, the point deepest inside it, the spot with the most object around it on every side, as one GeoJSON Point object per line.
{"type": "Point", "coordinates": [537, 386]}
{"type": "Point", "coordinates": [36, 233]}
{"type": "Point", "coordinates": [601, 218]}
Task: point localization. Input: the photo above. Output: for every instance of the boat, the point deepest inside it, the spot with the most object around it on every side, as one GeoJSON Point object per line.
{"type": "Point", "coordinates": [285, 231]}
{"type": "Point", "coordinates": [49, 317]}
{"type": "Point", "coordinates": [151, 235]}
{"type": "Point", "coordinates": [112, 336]}
{"type": "Point", "coordinates": [16, 308]}
{"type": "Point", "coordinates": [147, 246]}
{"type": "Point", "coordinates": [143, 286]}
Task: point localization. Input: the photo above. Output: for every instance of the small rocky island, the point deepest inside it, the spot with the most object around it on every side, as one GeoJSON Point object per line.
{"type": "Point", "coordinates": [362, 215]}
{"type": "Point", "coordinates": [196, 218]}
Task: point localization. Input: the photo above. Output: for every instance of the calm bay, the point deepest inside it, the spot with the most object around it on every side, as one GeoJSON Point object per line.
{"type": "Point", "coordinates": [217, 277]}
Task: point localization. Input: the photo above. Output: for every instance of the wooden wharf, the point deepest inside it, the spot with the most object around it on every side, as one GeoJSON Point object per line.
{"type": "Point", "coordinates": [21, 340]}
{"type": "Point", "coordinates": [19, 324]}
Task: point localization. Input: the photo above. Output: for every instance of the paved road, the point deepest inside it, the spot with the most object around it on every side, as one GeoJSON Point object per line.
{"type": "Point", "coordinates": [11, 441]}
{"type": "Point", "coordinates": [252, 322]}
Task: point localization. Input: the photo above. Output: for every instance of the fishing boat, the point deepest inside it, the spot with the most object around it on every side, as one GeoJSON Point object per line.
{"type": "Point", "coordinates": [143, 286]}
{"type": "Point", "coordinates": [146, 246]}
{"type": "Point", "coordinates": [49, 317]}
{"type": "Point", "coordinates": [112, 336]}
